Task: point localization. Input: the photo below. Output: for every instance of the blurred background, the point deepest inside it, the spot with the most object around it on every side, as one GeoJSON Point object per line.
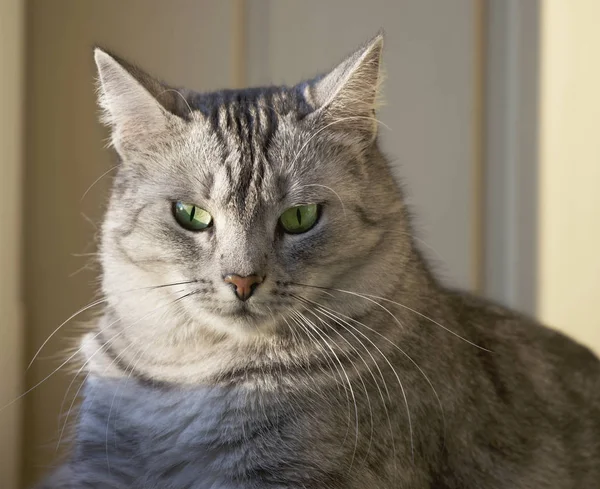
{"type": "Point", "coordinates": [493, 108]}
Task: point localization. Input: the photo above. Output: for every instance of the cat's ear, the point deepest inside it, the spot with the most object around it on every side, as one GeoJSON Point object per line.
{"type": "Point", "coordinates": [347, 95]}
{"type": "Point", "coordinates": [128, 99]}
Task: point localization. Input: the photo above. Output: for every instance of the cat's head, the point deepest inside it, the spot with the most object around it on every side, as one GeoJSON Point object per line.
{"type": "Point", "coordinates": [235, 212]}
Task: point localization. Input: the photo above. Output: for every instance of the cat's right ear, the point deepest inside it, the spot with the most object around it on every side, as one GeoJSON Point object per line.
{"type": "Point", "coordinates": [127, 97]}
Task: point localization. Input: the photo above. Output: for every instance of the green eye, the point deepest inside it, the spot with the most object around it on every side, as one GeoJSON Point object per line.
{"type": "Point", "coordinates": [299, 219]}
{"type": "Point", "coordinates": [191, 217]}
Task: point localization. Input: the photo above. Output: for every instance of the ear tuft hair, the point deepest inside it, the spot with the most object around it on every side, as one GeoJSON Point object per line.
{"type": "Point", "coordinates": [349, 93]}
{"type": "Point", "coordinates": [125, 97]}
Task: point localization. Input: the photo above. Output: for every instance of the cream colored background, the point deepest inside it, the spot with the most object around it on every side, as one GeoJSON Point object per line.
{"type": "Point", "coordinates": [433, 106]}
{"type": "Point", "coordinates": [569, 201]}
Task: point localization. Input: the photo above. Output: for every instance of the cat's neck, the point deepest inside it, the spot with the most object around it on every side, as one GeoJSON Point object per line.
{"type": "Point", "coordinates": [113, 355]}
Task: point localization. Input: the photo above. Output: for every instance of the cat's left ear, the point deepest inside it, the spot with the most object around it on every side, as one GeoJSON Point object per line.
{"type": "Point", "coordinates": [347, 95]}
{"type": "Point", "coordinates": [133, 104]}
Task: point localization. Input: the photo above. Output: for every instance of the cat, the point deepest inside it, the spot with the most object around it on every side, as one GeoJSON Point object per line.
{"type": "Point", "coordinates": [270, 322]}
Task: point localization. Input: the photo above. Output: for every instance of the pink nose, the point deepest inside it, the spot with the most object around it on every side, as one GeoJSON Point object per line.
{"type": "Point", "coordinates": [244, 286]}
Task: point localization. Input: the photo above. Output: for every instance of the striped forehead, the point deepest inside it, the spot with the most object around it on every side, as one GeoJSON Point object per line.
{"type": "Point", "coordinates": [244, 129]}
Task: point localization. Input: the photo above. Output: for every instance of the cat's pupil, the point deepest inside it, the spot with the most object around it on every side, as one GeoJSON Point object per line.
{"type": "Point", "coordinates": [193, 213]}
{"type": "Point", "coordinates": [299, 216]}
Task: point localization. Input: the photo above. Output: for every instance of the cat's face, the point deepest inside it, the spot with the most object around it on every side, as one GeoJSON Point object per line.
{"type": "Point", "coordinates": [238, 213]}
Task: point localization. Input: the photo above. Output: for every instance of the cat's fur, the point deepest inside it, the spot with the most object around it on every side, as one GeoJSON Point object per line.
{"type": "Point", "coordinates": [351, 366]}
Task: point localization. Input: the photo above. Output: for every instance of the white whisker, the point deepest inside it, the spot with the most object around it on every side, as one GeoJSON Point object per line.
{"type": "Point", "coordinates": [97, 180]}
{"type": "Point", "coordinates": [370, 297]}
{"type": "Point", "coordinates": [380, 373]}
{"type": "Point", "coordinates": [408, 357]}
{"type": "Point", "coordinates": [316, 330]}
{"type": "Point", "coordinates": [331, 190]}
{"type": "Point", "coordinates": [96, 303]}
{"type": "Point", "coordinates": [359, 376]}
{"type": "Point", "coordinates": [83, 309]}
{"type": "Point", "coordinates": [316, 133]}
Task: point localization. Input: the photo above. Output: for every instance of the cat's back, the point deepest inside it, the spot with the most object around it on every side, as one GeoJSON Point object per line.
{"type": "Point", "coordinates": [510, 335]}
{"type": "Point", "coordinates": [532, 400]}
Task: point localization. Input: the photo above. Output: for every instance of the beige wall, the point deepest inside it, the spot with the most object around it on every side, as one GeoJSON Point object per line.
{"type": "Point", "coordinates": [11, 60]}
{"type": "Point", "coordinates": [569, 198]}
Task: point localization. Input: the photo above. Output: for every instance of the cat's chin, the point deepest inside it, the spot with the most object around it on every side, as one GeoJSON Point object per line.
{"type": "Point", "coordinates": [241, 311]}
{"type": "Point", "coordinates": [240, 320]}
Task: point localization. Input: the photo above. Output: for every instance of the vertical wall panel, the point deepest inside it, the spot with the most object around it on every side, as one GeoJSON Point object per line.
{"type": "Point", "coordinates": [511, 171]}
{"type": "Point", "coordinates": [11, 327]}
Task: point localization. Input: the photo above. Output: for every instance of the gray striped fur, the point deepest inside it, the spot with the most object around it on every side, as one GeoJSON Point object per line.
{"type": "Point", "coordinates": [351, 366]}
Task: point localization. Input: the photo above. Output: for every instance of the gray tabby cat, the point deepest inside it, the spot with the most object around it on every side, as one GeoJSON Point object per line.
{"type": "Point", "coordinates": [270, 322]}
